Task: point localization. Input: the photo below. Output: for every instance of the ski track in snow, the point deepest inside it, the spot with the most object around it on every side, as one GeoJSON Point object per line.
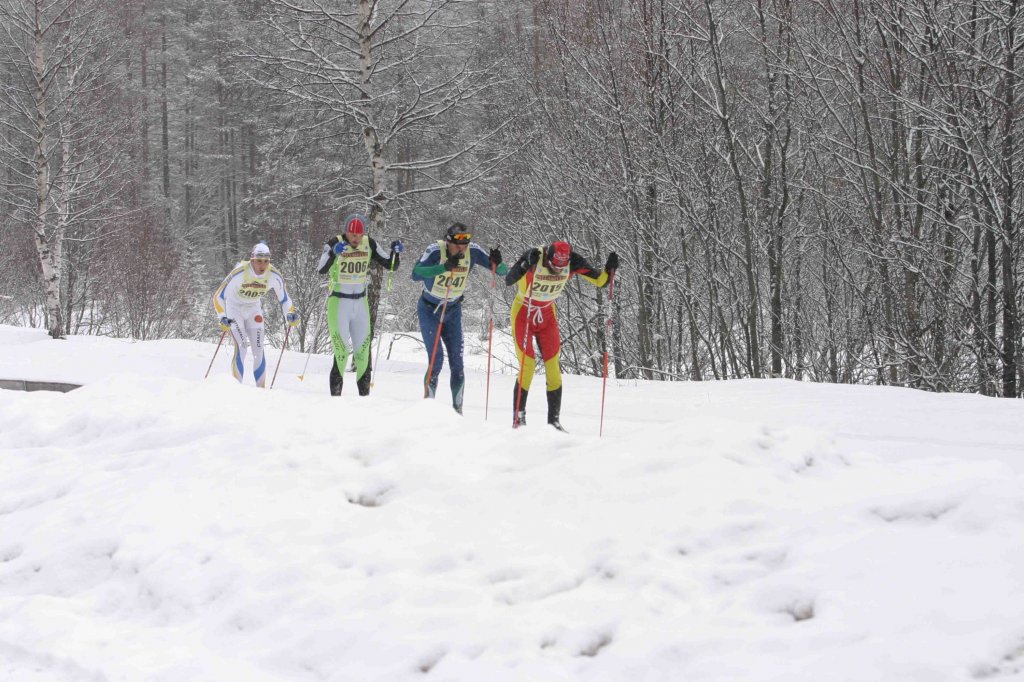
{"type": "Point", "coordinates": [155, 526]}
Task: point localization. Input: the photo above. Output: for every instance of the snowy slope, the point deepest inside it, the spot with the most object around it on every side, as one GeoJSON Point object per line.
{"type": "Point", "coordinates": [156, 526]}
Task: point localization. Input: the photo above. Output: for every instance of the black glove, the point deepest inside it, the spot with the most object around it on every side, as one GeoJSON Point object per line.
{"type": "Point", "coordinates": [453, 261]}
{"type": "Point", "coordinates": [495, 257]}
{"type": "Point", "coordinates": [613, 262]}
{"type": "Point", "coordinates": [533, 257]}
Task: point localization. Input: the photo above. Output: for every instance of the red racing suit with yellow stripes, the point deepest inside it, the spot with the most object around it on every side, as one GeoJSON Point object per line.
{"type": "Point", "coordinates": [534, 318]}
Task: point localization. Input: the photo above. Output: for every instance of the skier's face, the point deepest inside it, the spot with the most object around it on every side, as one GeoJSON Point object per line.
{"type": "Point", "coordinates": [353, 239]}
{"type": "Point", "coordinates": [454, 248]}
{"type": "Point", "coordinates": [260, 265]}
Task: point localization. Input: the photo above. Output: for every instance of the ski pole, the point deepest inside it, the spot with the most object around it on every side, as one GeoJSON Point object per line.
{"type": "Point", "coordinates": [526, 338]}
{"type": "Point", "coordinates": [387, 295]}
{"type": "Point", "coordinates": [280, 357]}
{"type": "Point", "coordinates": [310, 353]}
{"type": "Point", "coordinates": [490, 337]}
{"type": "Point", "coordinates": [222, 335]}
{"type": "Point", "coordinates": [608, 325]}
{"type": "Point", "coordinates": [306, 365]}
{"type": "Point", "coordinates": [437, 337]}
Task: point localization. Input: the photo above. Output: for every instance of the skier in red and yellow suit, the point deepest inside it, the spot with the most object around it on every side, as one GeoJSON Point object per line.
{"type": "Point", "coordinates": [542, 273]}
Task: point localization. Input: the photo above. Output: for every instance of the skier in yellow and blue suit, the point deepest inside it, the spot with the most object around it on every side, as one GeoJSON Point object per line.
{"type": "Point", "coordinates": [238, 307]}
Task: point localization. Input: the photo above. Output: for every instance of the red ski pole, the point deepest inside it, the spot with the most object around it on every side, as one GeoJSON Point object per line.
{"type": "Point", "coordinates": [604, 380]}
{"type": "Point", "coordinates": [287, 331]}
{"type": "Point", "coordinates": [490, 337]}
{"type": "Point", "coordinates": [222, 335]}
{"type": "Point", "coordinates": [437, 337]}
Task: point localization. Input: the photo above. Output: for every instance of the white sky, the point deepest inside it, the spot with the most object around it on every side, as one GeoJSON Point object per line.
{"type": "Point", "coordinates": [156, 526]}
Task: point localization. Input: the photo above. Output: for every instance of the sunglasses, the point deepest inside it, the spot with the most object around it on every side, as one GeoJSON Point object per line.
{"type": "Point", "coordinates": [259, 260]}
{"type": "Point", "coordinates": [460, 237]}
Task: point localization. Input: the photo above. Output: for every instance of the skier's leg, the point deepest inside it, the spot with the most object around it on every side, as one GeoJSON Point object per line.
{"type": "Point", "coordinates": [428, 317]}
{"type": "Point", "coordinates": [254, 328]}
{"type": "Point", "coordinates": [526, 359]}
{"type": "Point", "coordinates": [549, 340]}
{"type": "Point", "coordinates": [360, 329]}
{"type": "Point", "coordinates": [451, 335]}
{"type": "Point", "coordinates": [240, 340]}
{"type": "Point", "coordinates": [337, 345]}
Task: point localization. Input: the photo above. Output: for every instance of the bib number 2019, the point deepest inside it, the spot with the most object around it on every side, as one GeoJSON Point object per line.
{"type": "Point", "coordinates": [545, 288]}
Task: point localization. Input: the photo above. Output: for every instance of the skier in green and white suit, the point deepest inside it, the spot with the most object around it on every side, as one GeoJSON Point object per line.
{"type": "Point", "coordinates": [347, 259]}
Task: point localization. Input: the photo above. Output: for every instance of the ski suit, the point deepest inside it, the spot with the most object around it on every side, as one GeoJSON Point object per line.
{"type": "Point", "coordinates": [533, 312]}
{"type": "Point", "coordinates": [238, 299]}
{"type": "Point", "coordinates": [440, 284]}
{"type": "Point", "coordinates": [348, 311]}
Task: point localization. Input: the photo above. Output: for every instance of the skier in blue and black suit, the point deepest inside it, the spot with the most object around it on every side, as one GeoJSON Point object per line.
{"type": "Point", "coordinates": [444, 270]}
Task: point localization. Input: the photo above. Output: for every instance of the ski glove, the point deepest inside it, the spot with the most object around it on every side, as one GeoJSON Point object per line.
{"type": "Point", "coordinates": [613, 263]}
{"type": "Point", "coordinates": [495, 257]}
{"type": "Point", "coordinates": [397, 246]}
{"type": "Point", "coordinates": [453, 261]}
{"type": "Point", "coordinates": [293, 319]}
{"type": "Point", "coordinates": [339, 248]}
{"type": "Point", "coordinates": [533, 257]}
{"type": "Point", "coordinates": [225, 324]}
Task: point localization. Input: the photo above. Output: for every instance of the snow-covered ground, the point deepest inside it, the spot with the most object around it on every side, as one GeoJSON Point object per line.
{"type": "Point", "coordinates": [158, 526]}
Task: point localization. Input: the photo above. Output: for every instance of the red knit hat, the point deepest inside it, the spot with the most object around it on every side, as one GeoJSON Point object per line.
{"type": "Point", "coordinates": [558, 254]}
{"type": "Point", "coordinates": [356, 224]}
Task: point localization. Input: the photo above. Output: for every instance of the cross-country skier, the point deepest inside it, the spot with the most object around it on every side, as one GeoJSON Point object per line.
{"type": "Point", "coordinates": [542, 273]}
{"type": "Point", "coordinates": [347, 258]}
{"type": "Point", "coordinates": [240, 311]}
{"type": "Point", "coordinates": [444, 270]}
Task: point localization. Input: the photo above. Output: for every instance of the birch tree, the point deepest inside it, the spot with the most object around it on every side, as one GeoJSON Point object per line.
{"type": "Point", "coordinates": [58, 145]}
{"type": "Point", "coordinates": [386, 71]}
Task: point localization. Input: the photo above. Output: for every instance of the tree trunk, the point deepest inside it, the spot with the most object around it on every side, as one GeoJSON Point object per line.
{"type": "Point", "coordinates": [165, 138]}
{"type": "Point", "coordinates": [1009, 228]}
{"type": "Point", "coordinates": [47, 240]}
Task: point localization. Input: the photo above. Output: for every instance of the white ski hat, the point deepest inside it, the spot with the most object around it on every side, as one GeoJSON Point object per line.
{"type": "Point", "coordinates": [261, 250]}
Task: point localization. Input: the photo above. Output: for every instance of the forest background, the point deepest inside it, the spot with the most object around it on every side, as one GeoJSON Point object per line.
{"type": "Point", "coordinates": [823, 190]}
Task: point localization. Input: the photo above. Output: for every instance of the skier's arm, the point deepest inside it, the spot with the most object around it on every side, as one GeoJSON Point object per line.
{"type": "Point", "coordinates": [479, 256]}
{"type": "Point", "coordinates": [522, 266]}
{"type": "Point", "coordinates": [220, 295]}
{"type": "Point", "coordinates": [578, 265]}
{"type": "Point", "coordinates": [277, 284]}
{"type": "Point", "coordinates": [327, 257]}
{"type": "Point", "coordinates": [382, 259]}
{"type": "Point", "coordinates": [429, 265]}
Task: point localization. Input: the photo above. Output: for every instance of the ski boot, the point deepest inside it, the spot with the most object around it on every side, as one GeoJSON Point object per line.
{"type": "Point", "coordinates": [429, 389]}
{"type": "Point", "coordinates": [336, 380]}
{"type": "Point", "coordinates": [363, 383]}
{"type": "Point", "coordinates": [519, 401]}
{"type": "Point", "coordinates": [555, 408]}
{"type": "Point", "coordinates": [457, 389]}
